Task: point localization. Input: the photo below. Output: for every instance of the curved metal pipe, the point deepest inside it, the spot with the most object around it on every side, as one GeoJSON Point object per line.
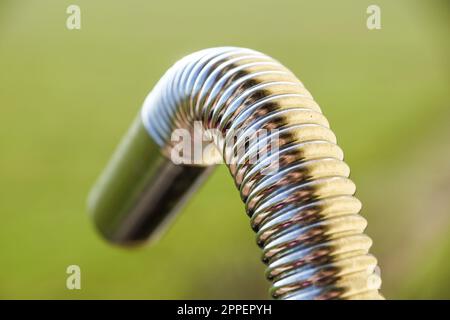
{"type": "Point", "coordinates": [303, 211]}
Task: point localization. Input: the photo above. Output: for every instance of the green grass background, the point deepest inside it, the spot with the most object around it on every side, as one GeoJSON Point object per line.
{"type": "Point", "coordinates": [66, 98]}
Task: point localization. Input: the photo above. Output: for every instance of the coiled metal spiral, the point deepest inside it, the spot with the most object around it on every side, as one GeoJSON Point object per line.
{"type": "Point", "coordinates": [305, 215]}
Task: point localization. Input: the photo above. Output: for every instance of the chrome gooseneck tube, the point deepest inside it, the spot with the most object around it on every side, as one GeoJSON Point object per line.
{"type": "Point", "coordinates": [304, 213]}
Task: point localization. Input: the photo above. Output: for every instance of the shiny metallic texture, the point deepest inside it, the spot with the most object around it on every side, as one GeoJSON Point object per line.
{"type": "Point", "coordinates": [305, 215]}
{"type": "Point", "coordinates": [140, 189]}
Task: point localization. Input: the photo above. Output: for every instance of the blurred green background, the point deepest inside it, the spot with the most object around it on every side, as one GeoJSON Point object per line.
{"type": "Point", "coordinates": [67, 97]}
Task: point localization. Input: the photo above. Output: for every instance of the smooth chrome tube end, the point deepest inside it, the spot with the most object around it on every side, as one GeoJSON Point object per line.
{"type": "Point", "coordinates": [140, 190]}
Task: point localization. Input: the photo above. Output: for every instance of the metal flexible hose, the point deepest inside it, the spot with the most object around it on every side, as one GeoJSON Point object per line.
{"type": "Point", "coordinates": [304, 214]}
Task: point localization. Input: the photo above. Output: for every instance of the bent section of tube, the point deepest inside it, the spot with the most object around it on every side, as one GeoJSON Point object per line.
{"type": "Point", "coordinates": [304, 212]}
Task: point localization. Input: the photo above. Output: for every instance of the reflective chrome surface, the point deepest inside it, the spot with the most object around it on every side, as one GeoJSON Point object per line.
{"type": "Point", "coordinates": [305, 215]}
{"type": "Point", "coordinates": [140, 190]}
